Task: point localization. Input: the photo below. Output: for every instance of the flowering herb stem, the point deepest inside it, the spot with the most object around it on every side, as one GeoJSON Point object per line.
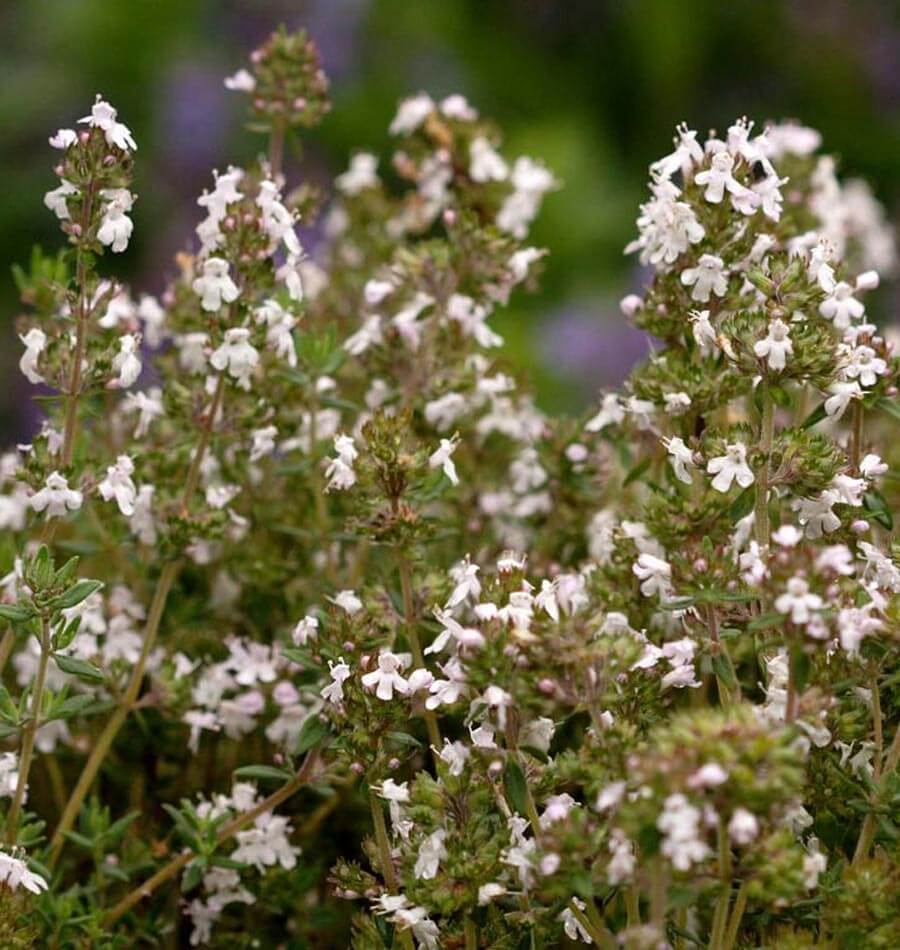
{"type": "Point", "coordinates": [867, 832]}
{"type": "Point", "coordinates": [157, 608]}
{"type": "Point", "coordinates": [29, 733]}
{"type": "Point", "coordinates": [415, 644]}
{"type": "Point", "coordinates": [230, 828]}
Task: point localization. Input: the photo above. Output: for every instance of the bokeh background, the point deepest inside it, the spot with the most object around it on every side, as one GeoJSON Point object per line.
{"type": "Point", "coordinates": [594, 87]}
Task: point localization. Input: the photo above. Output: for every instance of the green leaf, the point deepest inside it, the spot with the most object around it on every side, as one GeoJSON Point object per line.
{"type": "Point", "coordinates": [889, 406]}
{"type": "Point", "coordinates": [14, 613]}
{"type": "Point", "coordinates": [743, 504]}
{"type": "Point", "coordinates": [875, 504]}
{"type": "Point", "coordinates": [404, 738]}
{"type": "Point", "coordinates": [76, 594]}
{"type": "Point", "coordinates": [312, 732]}
{"type": "Point", "coordinates": [638, 470]}
{"type": "Point", "coordinates": [385, 929]}
{"type": "Point", "coordinates": [765, 620]}
{"type": "Point", "coordinates": [193, 874]}
{"type": "Point", "coordinates": [724, 670]}
{"type": "Point", "coordinates": [70, 707]}
{"type": "Point", "coordinates": [516, 786]}
{"type": "Point", "coordinates": [80, 668]}
{"type": "Point", "coordinates": [815, 417]}
{"type": "Point", "coordinates": [801, 668]}
{"type": "Point", "coordinates": [8, 710]}
{"type": "Point", "coordinates": [263, 773]}
{"type": "Point", "coordinates": [297, 655]}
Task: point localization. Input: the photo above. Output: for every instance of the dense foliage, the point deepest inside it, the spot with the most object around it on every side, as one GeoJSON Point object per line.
{"type": "Point", "coordinates": [308, 604]}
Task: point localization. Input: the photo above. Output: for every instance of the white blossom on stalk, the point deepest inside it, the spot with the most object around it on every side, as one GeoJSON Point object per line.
{"type": "Point", "coordinates": [334, 692]}
{"type": "Point", "coordinates": [360, 175]}
{"type": "Point", "coordinates": [530, 181]}
{"type": "Point", "coordinates": [681, 458]}
{"type": "Point", "coordinates": [703, 332]}
{"type": "Point", "coordinates": [612, 412]}
{"type": "Point", "coordinates": [241, 81]}
{"type": "Point", "coordinates": [126, 362]}
{"type": "Point", "coordinates": [815, 514]}
{"type": "Point", "coordinates": [35, 341]}
{"type": "Point", "coordinates": [718, 179]}
{"type": "Point", "coordinates": [387, 678]}
{"type": "Point", "coordinates": [667, 227]}
{"type": "Point", "coordinates": [263, 442]}
{"type": "Point", "coordinates": [865, 365]}
{"type": "Point", "coordinates": [63, 139]}
{"type": "Point", "coordinates": [215, 286]}
{"type": "Point", "coordinates": [14, 874]}
{"type": "Point", "coordinates": [347, 601]}
{"type": "Point", "coordinates": [339, 471]}
{"type": "Point", "coordinates": [411, 113]}
{"type": "Point", "coordinates": [655, 575]}
{"type": "Point", "coordinates": [442, 458]}
{"type": "Point", "coordinates": [238, 355]}
{"type": "Point", "coordinates": [814, 864]}
{"type": "Point", "coordinates": [55, 200]}
{"type": "Point", "coordinates": [485, 164]}
{"type": "Point", "coordinates": [709, 276]}
{"type": "Point", "coordinates": [730, 467]}
{"type": "Point", "coordinates": [115, 225]}
{"type": "Point", "coordinates": [840, 396]}
{"type": "Point", "coordinates": [687, 154]}
{"type": "Point", "coordinates": [119, 486]}
{"type": "Point", "coordinates": [841, 307]}
{"type": "Point", "coordinates": [56, 497]}
{"type": "Point", "coordinates": [776, 347]}
{"type": "Point", "coordinates": [431, 852]}
{"type": "Point", "coordinates": [680, 824]}
{"type": "Point", "coordinates": [743, 827]}
{"type": "Point", "coordinates": [148, 405]}
{"type": "Point", "coordinates": [467, 585]}
{"type": "Point", "coordinates": [104, 116]}
{"type": "Point", "coordinates": [798, 601]}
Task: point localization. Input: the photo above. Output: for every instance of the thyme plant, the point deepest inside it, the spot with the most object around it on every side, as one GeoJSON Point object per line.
{"type": "Point", "coordinates": [318, 632]}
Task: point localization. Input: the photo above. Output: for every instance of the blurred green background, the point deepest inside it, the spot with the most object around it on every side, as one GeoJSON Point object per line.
{"type": "Point", "coordinates": [595, 88]}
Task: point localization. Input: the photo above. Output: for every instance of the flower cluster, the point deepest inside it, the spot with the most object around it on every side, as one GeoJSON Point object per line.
{"type": "Point", "coordinates": [352, 620]}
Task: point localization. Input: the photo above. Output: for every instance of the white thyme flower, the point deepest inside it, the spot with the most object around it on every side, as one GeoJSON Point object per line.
{"type": "Point", "coordinates": [35, 341]}
{"type": "Point", "coordinates": [118, 485]}
{"type": "Point", "coordinates": [708, 277]}
{"type": "Point", "coordinates": [214, 286]}
{"type": "Point", "coordinates": [730, 467]}
{"type": "Point", "coordinates": [238, 355]}
{"type": "Point", "coordinates": [442, 458]}
{"type": "Point", "coordinates": [798, 601]}
{"type": "Point", "coordinates": [776, 346]}
{"type": "Point", "coordinates": [56, 497]}
{"type": "Point", "coordinates": [681, 458]}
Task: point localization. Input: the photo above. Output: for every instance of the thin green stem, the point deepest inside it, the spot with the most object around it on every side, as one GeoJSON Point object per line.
{"type": "Point", "coordinates": [766, 437]}
{"type": "Point", "coordinates": [856, 434]}
{"type": "Point", "coordinates": [415, 644]}
{"type": "Point", "coordinates": [385, 858]}
{"type": "Point", "coordinates": [632, 906]}
{"type": "Point", "coordinates": [720, 916]}
{"type": "Point", "coordinates": [878, 727]}
{"type": "Point", "coordinates": [737, 915]}
{"type": "Point", "coordinates": [867, 832]}
{"type": "Point", "coordinates": [470, 931]}
{"type": "Point", "coordinates": [28, 735]}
